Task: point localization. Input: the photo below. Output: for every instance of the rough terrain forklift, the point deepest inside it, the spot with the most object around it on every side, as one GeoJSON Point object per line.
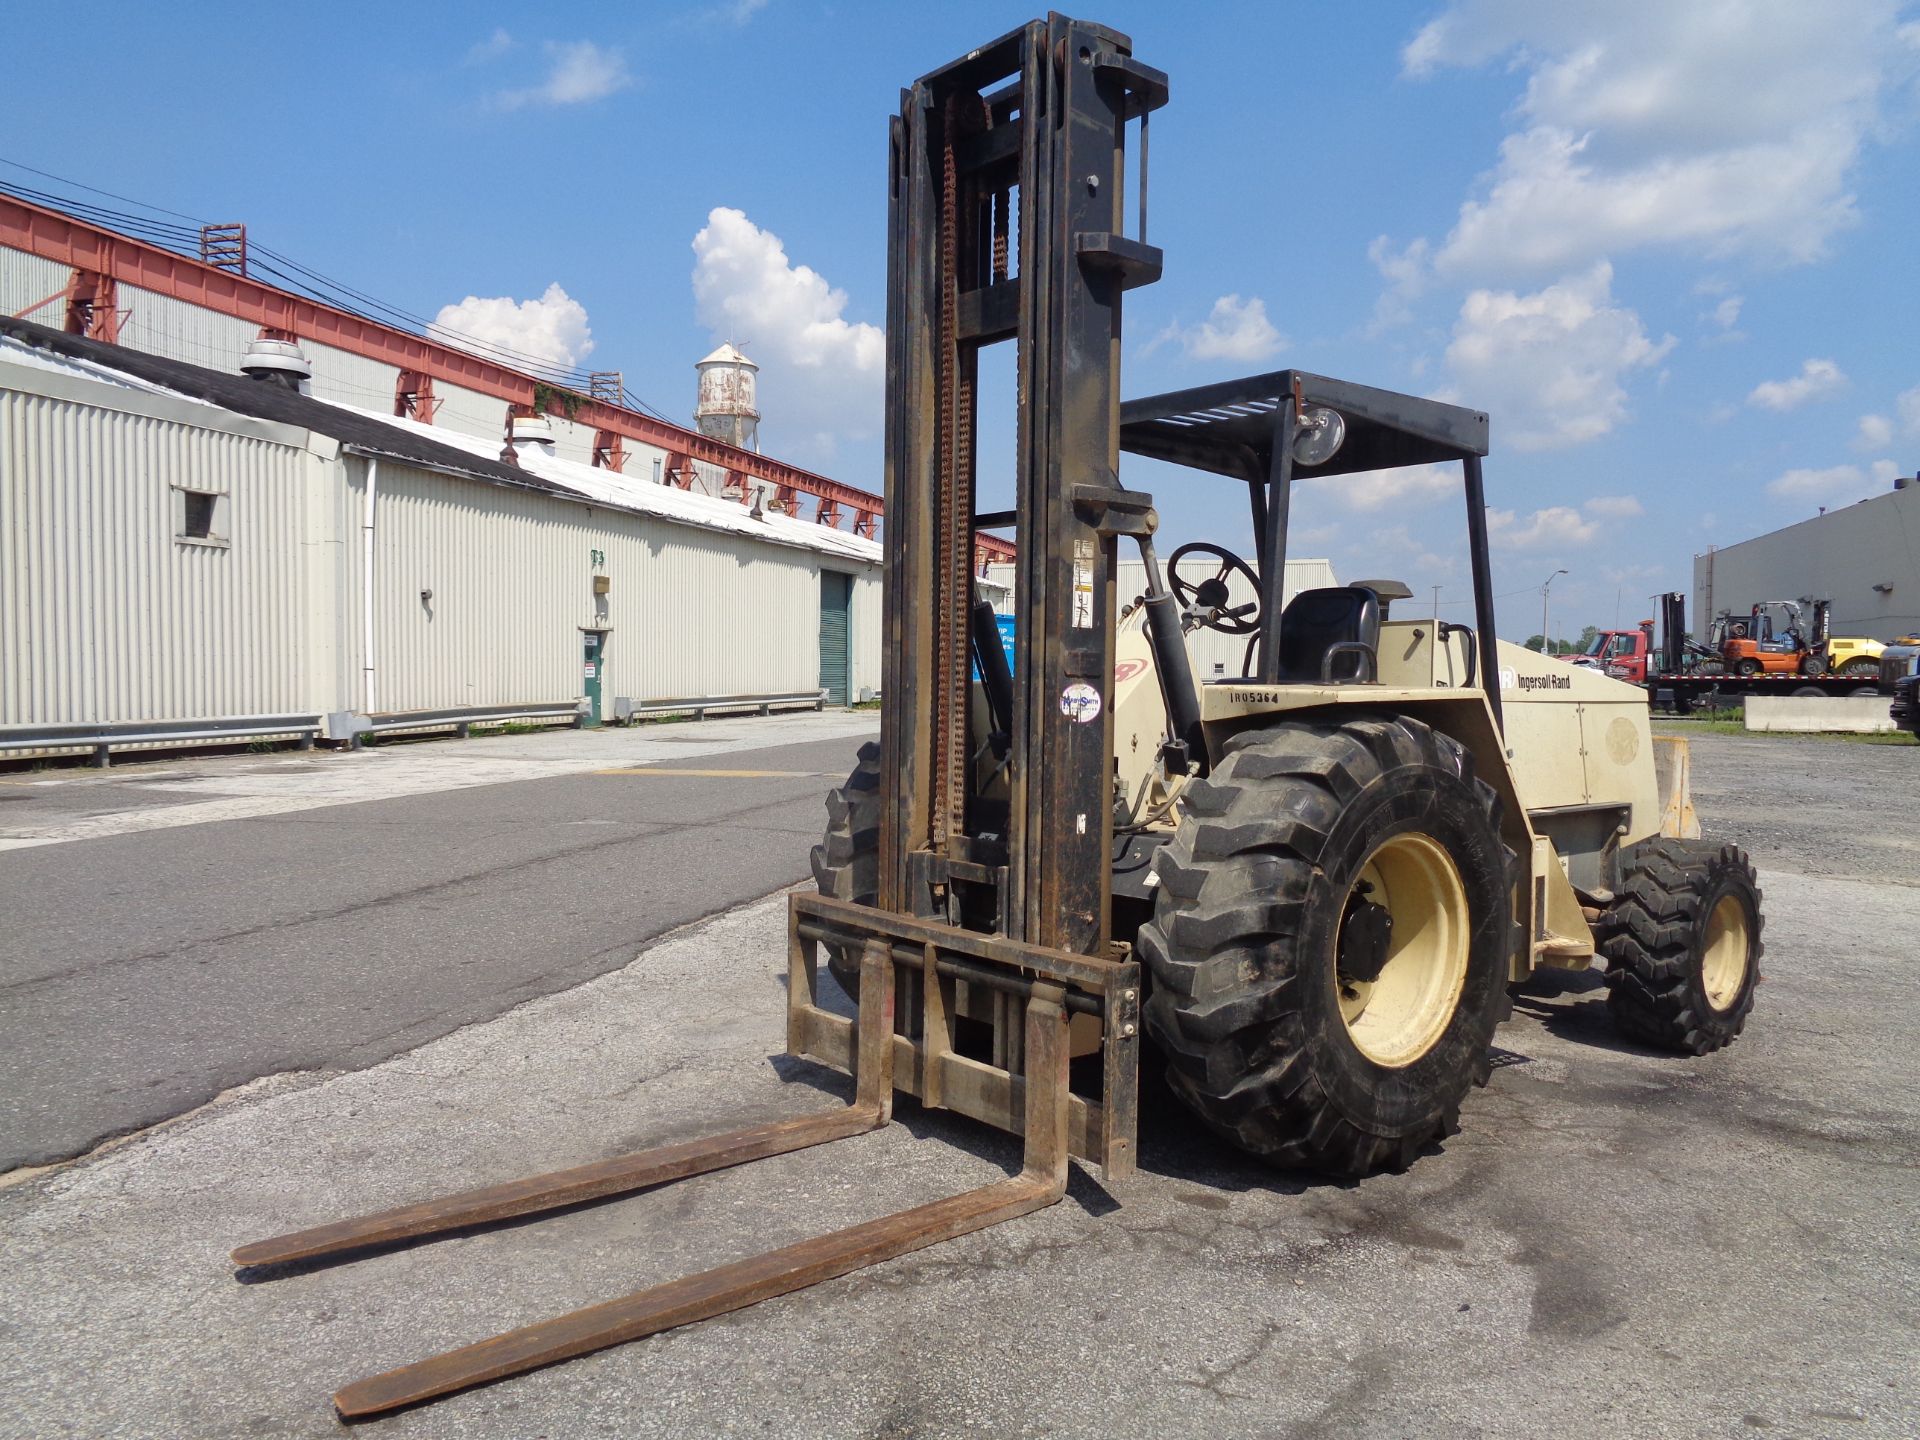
{"type": "Point", "coordinates": [1309, 887]}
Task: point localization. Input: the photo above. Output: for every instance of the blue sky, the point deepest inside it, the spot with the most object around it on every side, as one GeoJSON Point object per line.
{"type": "Point", "coordinates": [1670, 248]}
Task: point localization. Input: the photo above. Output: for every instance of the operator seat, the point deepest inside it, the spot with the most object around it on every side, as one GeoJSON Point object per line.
{"type": "Point", "coordinates": [1315, 621]}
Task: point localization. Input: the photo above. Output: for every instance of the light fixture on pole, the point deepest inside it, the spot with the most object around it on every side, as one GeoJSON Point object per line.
{"type": "Point", "coordinates": [1544, 599]}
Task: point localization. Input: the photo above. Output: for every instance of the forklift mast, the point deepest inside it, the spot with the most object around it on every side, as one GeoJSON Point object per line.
{"type": "Point", "coordinates": [1006, 224]}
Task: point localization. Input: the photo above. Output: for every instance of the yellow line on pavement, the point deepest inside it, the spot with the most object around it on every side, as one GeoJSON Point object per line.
{"type": "Point", "coordinates": [718, 774]}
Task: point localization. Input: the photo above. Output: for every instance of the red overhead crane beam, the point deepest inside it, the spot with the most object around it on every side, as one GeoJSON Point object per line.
{"type": "Point", "coordinates": [68, 241]}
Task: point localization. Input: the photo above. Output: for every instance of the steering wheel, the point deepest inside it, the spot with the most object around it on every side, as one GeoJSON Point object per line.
{"type": "Point", "coordinates": [1212, 594]}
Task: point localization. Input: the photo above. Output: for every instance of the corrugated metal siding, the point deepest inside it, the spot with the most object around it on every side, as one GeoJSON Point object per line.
{"type": "Point", "coordinates": [866, 632]}
{"type": "Point", "coordinates": [470, 412]}
{"type": "Point", "coordinates": [691, 612]}
{"type": "Point", "coordinates": [104, 616]}
{"type": "Point", "coordinates": [350, 379]}
{"type": "Point", "coordinates": [26, 280]}
{"type": "Point", "coordinates": [571, 441]}
{"type": "Point", "coordinates": [161, 325]}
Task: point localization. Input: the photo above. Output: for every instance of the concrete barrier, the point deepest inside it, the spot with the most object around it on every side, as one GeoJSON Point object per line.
{"type": "Point", "coordinates": [1815, 714]}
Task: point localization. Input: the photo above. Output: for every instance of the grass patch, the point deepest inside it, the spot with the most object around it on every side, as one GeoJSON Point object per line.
{"type": "Point", "coordinates": [1719, 726]}
{"type": "Point", "coordinates": [864, 705]}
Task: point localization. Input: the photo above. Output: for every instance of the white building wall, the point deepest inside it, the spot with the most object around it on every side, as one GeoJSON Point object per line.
{"type": "Point", "coordinates": [1841, 556]}
{"type": "Point", "coordinates": [27, 280]}
{"type": "Point", "coordinates": [867, 636]}
{"type": "Point", "coordinates": [161, 325]}
{"type": "Point", "coordinates": [571, 441]}
{"type": "Point", "coordinates": [512, 579]}
{"type": "Point", "coordinates": [104, 615]}
{"type": "Point", "coordinates": [470, 412]}
{"type": "Point", "coordinates": [349, 378]}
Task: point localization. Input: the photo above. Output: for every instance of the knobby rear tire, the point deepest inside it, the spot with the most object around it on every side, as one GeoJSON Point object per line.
{"type": "Point", "coordinates": [1656, 937]}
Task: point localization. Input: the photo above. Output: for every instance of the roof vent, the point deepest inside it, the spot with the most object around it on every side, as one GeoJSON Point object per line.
{"type": "Point", "coordinates": [531, 433]}
{"type": "Point", "coordinates": [278, 362]}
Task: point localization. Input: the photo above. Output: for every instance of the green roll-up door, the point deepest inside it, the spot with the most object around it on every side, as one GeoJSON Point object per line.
{"type": "Point", "coordinates": [836, 595]}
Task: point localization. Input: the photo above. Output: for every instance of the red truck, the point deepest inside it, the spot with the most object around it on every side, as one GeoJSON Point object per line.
{"type": "Point", "coordinates": [1680, 673]}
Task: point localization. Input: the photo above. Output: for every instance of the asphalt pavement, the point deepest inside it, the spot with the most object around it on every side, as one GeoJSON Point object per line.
{"type": "Point", "coordinates": [145, 972]}
{"type": "Point", "coordinates": [1617, 1243]}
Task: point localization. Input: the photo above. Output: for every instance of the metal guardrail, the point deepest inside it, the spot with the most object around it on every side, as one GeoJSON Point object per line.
{"type": "Point", "coordinates": [103, 739]}
{"type": "Point", "coordinates": [345, 726]}
{"type": "Point", "coordinates": [627, 709]}
{"type": "Point", "coordinates": [460, 719]}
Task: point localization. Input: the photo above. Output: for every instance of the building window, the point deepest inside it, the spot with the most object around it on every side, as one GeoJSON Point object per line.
{"type": "Point", "coordinates": [200, 517]}
{"type": "Point", "coordinates": [656, 469]}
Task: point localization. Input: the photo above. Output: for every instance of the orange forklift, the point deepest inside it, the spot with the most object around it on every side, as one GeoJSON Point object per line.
{"type": "Point", "coordinates": [1755, 645]}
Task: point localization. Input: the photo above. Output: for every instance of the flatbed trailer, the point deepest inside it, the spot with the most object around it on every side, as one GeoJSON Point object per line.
{"type": "Point", "coordinates": [1681, 675]}
{"type": "Point", "coordinates": [1686, 691]}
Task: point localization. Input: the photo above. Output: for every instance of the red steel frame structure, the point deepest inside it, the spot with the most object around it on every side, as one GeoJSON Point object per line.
{"type": "Point", "coordinates": [102, 260]}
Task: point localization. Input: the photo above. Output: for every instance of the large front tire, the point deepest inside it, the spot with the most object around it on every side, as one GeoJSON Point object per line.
{"type": "Point", "coordinates": [1265, 929]}
{"type": "Point", "coordinates": [846, 862]}
{"type": "Point", "coordinates": [1682, 944]}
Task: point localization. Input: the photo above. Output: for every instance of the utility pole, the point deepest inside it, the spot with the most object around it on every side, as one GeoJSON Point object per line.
{"type": "Point", "coordinates": [1544, 601]}
{"type": "Point", "coordinates": [1433, 649]}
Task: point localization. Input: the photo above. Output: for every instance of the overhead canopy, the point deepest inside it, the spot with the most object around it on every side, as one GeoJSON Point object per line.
{"type": "Point", "coordinates": [1229, 428]}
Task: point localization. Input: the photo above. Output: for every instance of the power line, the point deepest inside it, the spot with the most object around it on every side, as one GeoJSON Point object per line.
{"type": "Point", "coordinates": [49, 175]}
{"type": "Point", "coordinates": [300, 279]}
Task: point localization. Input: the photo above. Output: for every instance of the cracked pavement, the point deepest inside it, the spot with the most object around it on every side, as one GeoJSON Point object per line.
{"type": "Point", "coordinates": [1617, 1242]}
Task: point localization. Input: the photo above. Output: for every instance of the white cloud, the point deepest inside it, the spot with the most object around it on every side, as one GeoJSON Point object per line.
{"type": "Point", "coordinates": [1407, 271]}
{"type": "Point", "coordinates": [1548, 366]}
{"type": "Point", "coordinates": [1555, 527]}
{"type": "Point", "coordinates": [1817, 380]}
{"type": "Point", "coordinates": [1727, 313]}
{"type": "Point", "coordinates": [1875, 433]}
{"type": "Point", "coordinates": [1909, 407]}
{"type": "Point", "coordinates": [1722, 129]}
{"type": "Point", "coordinates": [1613, 507]}
{"type": "Point", "coordinates": [739, 12]}
{"type": "Point", "coordinates": [579, 73]}
{"type": "Point", "coordinates": [491, 48]}
{"type": "Point", "coordinates": [552, 329]}
{"type": "Point", "coordinates": [1235, 329]}
{"type": "Point", "coordinates": [1834, 485]}
{"type": "Point", "coordinates": [1369, 490]}
{"type": "Point", "coordinates": [819, 370]}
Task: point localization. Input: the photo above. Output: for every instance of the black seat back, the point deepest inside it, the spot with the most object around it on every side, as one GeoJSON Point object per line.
{"type": "Point", "coordinates": [1316, 620]}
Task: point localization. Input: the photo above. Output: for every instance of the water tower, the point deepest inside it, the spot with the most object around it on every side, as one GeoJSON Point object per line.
{"type": "Point", "coordinates": [725, 409]}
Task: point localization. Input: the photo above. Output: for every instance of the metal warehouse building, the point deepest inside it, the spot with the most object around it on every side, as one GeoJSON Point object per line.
{"type": "Point", "coordinates": [1865, 558]}
{"type": "Point", "coordinates": [191, 552]}
{"type": "Point", "coordinates": [204, 297]}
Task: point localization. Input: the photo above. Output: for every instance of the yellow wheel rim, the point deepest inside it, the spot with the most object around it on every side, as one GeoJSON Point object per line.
{"type": "Point", "coordinates": [1396, 1018]}
{"type": "Point", "coordinates": [1724, 953]}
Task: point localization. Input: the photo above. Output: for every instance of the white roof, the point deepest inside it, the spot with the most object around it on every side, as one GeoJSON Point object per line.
{"type": "Point", "coordinates": [602, 487]}
{"type": "Point", "coordinates": [33, 357]}
{"type": "Point", "coordinates": [628, 492]}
